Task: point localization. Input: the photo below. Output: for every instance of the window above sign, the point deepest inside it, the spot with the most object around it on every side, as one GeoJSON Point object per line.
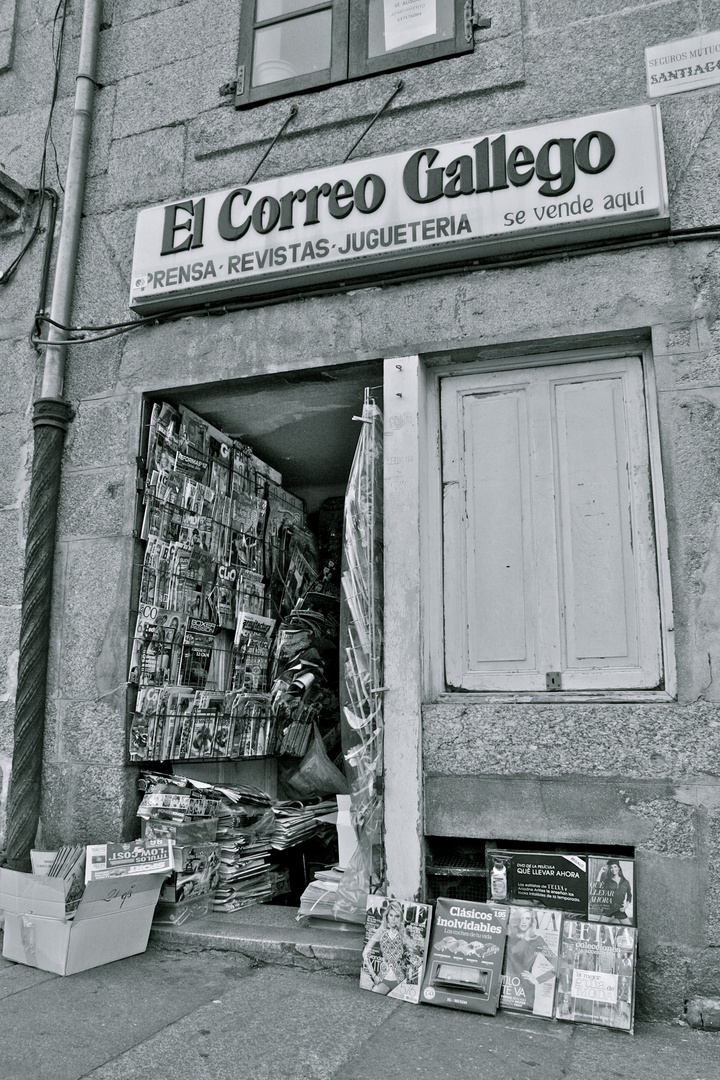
{"type": "Point", "coordinates": [288, 46]}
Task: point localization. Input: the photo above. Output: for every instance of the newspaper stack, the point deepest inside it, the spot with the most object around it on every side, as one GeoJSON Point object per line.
{"type": "Point", "coordinates": [244, 875]}
{"type": "Point", "coordinates": [293, 824]}
{"type": "Point", "coordinates": [319, 897]}
{"type": "Point", "coordinates": [244, 830]}
{"type": "Point", "coordinates": [69, 864]}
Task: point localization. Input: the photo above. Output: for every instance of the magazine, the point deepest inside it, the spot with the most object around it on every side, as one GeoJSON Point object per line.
{"type": "Point", "coordinates": [611, 890]}
{"type": "Point", "coordinates": [539, 878]}
{"type": "Point", "coordinates": [253, 639]}
{"type": "Point", "coordinates": [209, 708]}
{"type": "Point", "coordinates": [395, 949]}
{"type": "Point", "coordinates": [122, 860]}
{"type": "Point", "coordinates": [197, 652]}
{"type": "Point", "coordinates": [596, 974]}
{"type": "Point", "coordinates": [464, 964]}
{"type": "Point", "coordinates": [531, 960]}
{"type": "Point", "coordinates": [179, 709]}
{"type": "Point", "coordinates": [163, 437]}
{"type": "Point", "coordinates": [223, 595]}
{"type": "Point", "coordinates": [156, 646]}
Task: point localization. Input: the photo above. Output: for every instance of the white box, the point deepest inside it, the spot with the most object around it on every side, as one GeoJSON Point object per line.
{"type": "Point", "coordinates": [112, 921]}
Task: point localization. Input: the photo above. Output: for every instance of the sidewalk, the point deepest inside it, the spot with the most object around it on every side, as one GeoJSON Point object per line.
{"type": "Point", "coordinates": [220, 1014]}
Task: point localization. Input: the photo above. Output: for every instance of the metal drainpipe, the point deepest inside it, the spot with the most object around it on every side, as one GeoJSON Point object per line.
{"type": "Point", "coordinates": [51, 417]}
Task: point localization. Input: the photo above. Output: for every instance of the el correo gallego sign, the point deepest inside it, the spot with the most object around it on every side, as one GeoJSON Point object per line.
{"type": "Point", "coordinates": [442, 204]}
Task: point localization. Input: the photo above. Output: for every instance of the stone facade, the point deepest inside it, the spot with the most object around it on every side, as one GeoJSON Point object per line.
{"type": "Point", "coordinates": [646, 775]}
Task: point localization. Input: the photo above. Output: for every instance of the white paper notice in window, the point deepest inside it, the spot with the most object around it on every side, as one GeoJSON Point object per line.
{"type": "Point", "coordinates": [407, 21]}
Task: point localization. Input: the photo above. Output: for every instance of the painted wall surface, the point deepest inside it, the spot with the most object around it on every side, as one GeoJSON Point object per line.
{"type": "Point", "coordinates": [165, 127]}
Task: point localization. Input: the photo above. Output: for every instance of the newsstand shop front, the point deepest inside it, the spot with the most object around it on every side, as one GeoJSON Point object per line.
{"type": "Point", "coordinates": [406, 470]}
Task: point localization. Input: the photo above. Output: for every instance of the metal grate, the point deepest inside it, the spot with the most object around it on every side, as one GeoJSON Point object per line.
{"type": "Point", "coordinates": [456, 887]}
{"type": "Point", "coordinates": [455, 863]}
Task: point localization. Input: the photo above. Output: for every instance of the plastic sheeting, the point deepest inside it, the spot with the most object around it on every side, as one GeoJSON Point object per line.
{"type": "Point", "coordinates": [361, 648]}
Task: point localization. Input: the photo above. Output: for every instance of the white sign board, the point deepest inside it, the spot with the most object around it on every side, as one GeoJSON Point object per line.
{"type": "Point", "coordinates": [448, 203]}
{"type": "Point", "coordinates": [408, 21]}
{"type": "Point", "coordinates": [683, 65]}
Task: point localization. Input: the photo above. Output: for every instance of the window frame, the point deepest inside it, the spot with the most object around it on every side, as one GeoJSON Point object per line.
{"type": "Point", "coordinates": [436, 368]}
{"type": "Point", "coordinates": [247, 94]}
{"type": "Point", "coordinates": [349, 59]}
{"type": "Point", "coordinates": [360, 64]}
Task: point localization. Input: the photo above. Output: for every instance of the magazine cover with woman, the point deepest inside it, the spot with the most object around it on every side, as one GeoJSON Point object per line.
{"type": "Point", "coordinates": [611, 890]}
{"type": "Point", "coordinates": [531, 960]}
{"type": "Point", "coordinates": [396, 942]}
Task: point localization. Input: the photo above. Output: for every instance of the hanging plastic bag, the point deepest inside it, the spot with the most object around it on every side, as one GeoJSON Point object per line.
{"type": "Point", "coordinates": [316, 774]}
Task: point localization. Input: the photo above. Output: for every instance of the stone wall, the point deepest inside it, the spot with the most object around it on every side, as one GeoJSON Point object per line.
{"type": "Point", "coordinates": [165, 127]}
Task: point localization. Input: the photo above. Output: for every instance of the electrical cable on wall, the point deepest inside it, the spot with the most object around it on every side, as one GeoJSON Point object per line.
{"type": "Point", "coordinates": [103, 331]}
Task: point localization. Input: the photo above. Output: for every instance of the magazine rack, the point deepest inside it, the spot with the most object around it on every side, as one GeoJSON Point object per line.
{"type": "Point", "coordinates": [226, 662]}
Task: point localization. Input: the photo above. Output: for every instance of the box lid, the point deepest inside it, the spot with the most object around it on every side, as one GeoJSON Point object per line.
{"type": "Point", "coordinates": [26, 894]}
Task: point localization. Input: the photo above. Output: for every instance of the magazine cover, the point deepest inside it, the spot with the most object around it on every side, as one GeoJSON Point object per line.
{"type": "Point", "coordinates": [396, 943]}
{"type": "Point", "coordinates": [196, 872]}
{"type": "Point", "coordinates": [539, 878]}
{"type": "Point", "coordinates": [197, 652]}
{"type": "Point", "coordinates": [531, 960]}
{"type": "Point", "coordinates": [611, 890]}
{"type": "Point", "coordinates": [596, 974]}
{"type": "Point", "coordinates": [464, 963]}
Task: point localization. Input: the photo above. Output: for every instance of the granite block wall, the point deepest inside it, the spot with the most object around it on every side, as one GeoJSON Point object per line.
{"type": "Point", "coordinates": [165, 127]}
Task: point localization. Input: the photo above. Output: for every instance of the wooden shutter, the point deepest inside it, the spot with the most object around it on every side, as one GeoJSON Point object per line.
{"type": "Point", "coordinates": [549, 557]}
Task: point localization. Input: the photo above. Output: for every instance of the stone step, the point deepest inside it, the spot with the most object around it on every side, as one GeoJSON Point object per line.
{"type": "Point", "coordinates": [271, 934]}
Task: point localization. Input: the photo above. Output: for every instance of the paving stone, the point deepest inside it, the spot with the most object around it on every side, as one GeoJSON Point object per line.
{"type": "Point", "coordinates": [278, 1025]}
{"type": "Point", "coordinates": [77, 1023]}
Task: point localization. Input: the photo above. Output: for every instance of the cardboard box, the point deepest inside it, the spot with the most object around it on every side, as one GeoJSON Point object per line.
{"type": "Point", "coordinates": [112, 921]}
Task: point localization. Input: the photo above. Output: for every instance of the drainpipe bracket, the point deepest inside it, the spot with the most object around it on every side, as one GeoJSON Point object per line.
{"type": "Point", "coordinates": [52, 412]}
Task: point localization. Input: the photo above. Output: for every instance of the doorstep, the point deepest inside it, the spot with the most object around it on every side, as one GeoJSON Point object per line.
{"type": "Point", "coordinates": [271, 934]}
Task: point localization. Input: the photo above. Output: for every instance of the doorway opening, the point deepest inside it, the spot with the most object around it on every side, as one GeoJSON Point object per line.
{"type": "Point", "coordinates": [234, 664]}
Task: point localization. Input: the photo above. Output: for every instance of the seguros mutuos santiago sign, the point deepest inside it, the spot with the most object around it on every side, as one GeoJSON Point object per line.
{"type": "Point", "coordinates": [442, 204]}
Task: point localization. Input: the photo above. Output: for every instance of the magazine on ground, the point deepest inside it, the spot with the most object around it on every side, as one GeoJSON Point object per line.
{"type": "Point", "coordinates": [539, 878]}
{"type": "Point", "coordinates": [531, 960]}
{"type": "Point", "coordinates": [395, 948]}
{"type": "Point", "coordinates": [464, 963]}
{"type": "Point", "coordinates": [611, 890]}
{"type": "Point", "coordinates": [596, 974]}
